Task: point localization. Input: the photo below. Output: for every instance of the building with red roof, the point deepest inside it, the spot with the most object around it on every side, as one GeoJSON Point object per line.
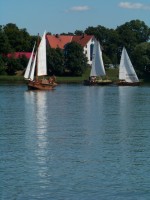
{"type": "Point", "coordinates": [59, 41]}
{"type": "Point", "coordinates": [86, 41]}
{"type": "Point", "coordinates": [19, 55]}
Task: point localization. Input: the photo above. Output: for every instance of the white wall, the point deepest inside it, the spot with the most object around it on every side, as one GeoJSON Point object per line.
{"type": "Point", "coordinates": [87, 50]}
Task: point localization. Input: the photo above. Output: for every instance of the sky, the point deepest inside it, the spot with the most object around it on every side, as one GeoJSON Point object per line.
{"type": "Point", "coordinates": [63, 16]}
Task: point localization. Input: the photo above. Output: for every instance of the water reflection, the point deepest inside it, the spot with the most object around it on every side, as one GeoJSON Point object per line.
{"type": "Point", "coordinates": [132, 133]}
{"type": "Point", "coordinates": [127, 98]}
{"type": "Point", "coordinates": [132, 108]}
{"type": "Point", "coordinates": [93, 108]}
{"type": "Point", "coordinates": [75, 142]}
{"type": "Point", "coordinates": [41, 112]}
{"type": "Point", "coordinates": [37, 132]}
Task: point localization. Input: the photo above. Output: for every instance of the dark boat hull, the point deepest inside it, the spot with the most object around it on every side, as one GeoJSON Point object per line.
{"type": "Point", "coordinates": [96, 83]}
{"type": "Point", "coordinates": [123, 83]}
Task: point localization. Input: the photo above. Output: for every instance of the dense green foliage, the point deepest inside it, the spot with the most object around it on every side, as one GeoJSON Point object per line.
{"type": "Point", "coordinates": [134, 35]}
{"type": "Point", "coordinates": [55, 61]}
{"type": "Point", "coordinates": [75, 59]}
{"type": "Point", "coordinates": [131, 35]}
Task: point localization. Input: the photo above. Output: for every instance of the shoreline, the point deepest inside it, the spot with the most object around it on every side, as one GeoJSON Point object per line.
{"type": "Point", "coordinates": [111, 73]}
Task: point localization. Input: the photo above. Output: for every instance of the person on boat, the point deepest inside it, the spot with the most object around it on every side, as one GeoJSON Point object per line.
{"type": "Point", "coordinates": [92, 78]}
{"type": "Point", "coordinates": [54, 78]}
{"type": "Point", "coordinates": [50, 80]}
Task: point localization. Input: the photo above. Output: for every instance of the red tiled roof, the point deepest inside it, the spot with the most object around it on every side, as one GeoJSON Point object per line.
{"type": "Point", "coordinates": [83, 39]}
{"type": "Point", "coordinates": [19, 55]}
{"type": "Point", "coordinates": [61, 40]}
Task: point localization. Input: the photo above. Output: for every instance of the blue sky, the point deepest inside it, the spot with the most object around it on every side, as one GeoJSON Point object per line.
{"type": "Point", "coordinates": [57, 16]}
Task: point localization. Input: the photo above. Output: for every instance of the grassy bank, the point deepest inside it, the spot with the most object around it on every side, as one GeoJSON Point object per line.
{"type": "Point", "coordinates": [111, 73]}
{"type": "Point", "coordinates": [7, 79]}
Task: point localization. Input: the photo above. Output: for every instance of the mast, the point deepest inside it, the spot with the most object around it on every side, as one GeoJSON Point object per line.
{"type": "Point", "coordinates": [36, 70]}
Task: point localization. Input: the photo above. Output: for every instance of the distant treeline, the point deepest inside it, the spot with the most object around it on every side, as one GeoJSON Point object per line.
{"type": "Point", "coordinates": [134, 35]}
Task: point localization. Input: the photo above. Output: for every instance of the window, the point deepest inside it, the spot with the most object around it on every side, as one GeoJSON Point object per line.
{"type": "Point", "coordinates": [91, 51]}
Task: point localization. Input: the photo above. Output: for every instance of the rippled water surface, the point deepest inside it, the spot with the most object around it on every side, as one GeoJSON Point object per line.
{"type": "Point", "coordinates": [75, 143]}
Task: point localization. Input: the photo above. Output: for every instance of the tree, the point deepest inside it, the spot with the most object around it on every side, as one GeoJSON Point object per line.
{"type": "Point", "coordinates": [23, 62]}
{"type": "Point", "coordinates": [75, 59]}
{"type": "Point", "coordinates": [109, 40]}
{"type": "Point", "coordinates": [19, 39]}
{"type": "Point", "coordinates": [13, 65]}
{"type": "Point", "coordinates": [141, 59]}
{"type": "Point", "coordinates": [55, 61]}
{"type": "Point", "coordinates": [2, 66]}
{"type": "Point", "coordinates": [4, 43]}
{"type": "Point", "coordinates": [132, 33]}
{"type": "Point", "coordinates": [78, 32]}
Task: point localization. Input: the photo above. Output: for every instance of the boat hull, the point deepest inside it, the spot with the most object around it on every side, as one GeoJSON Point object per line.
{"type": "Point", "coordinates": [96, 83]}
{"type": "Point", "coordinates": [128, 84]}
{"type": "Point", "coordinates": [36, 85]}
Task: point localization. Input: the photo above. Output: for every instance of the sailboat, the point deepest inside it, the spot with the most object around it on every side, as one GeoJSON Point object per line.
{"type": "Point", "coordinates": [37, 66]}
{"type": "Point", "coordinates": [127, 74]}
{"type": "Point", "coordinates": [97, 70]}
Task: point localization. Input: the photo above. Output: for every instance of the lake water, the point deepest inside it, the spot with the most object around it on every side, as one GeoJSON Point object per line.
{"type": "Point", "coordinates": [75, 143]}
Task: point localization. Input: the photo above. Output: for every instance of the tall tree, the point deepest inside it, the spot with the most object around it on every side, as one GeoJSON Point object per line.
{"type": "Point", "coordinates": [19, 39]}
{"type": "Point", "coordinates": [2, 66]}
{"type": "Point", "coordinates": [75, 59]}
{"type": "Point", "coordinates": [55, 61]}
{"type": "Point", "coordinates": [4, 42]}
{"type": "Point", "coordinates": [141, 58]}
{"type": "Point", "coordinates": [132, 33]}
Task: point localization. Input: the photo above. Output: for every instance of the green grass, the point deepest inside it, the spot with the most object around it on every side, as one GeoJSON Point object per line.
{"type": "Point", "coordinates": [111, 73]}
{"type": "Point", "coordinates": [74, 79]}
{"type": "Point", "coordinates": [5, 78]}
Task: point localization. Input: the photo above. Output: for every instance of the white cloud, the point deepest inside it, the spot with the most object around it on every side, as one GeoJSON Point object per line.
{"type": "Point", "coordinates": [129, 5]}
{"type": "Point", "coordinates": [79, 8]}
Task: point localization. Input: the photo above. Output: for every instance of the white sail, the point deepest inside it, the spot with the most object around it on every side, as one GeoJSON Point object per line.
{"type": "Point", "coordinates": [126, 70]}
{"type": "Point", "coordinates": [97, 61]}
{"type": "Point", "coordinates": [29, 66]}
{"type": "Point", "coordinates": [41, 62]}
{"type": "Point", "coordinates": [33, 69]}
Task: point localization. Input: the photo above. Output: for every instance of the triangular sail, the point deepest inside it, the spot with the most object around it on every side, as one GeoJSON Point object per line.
{"type": "Point", "coordinates": [33, 68]}
{"type": "Point", "coordinates": [97, 61]}
{"type": "Point", "coordinates": [29, 66]}
{"type": "Point", "coordinates": [41, 62]}
{"type": "Point", "coordinates": [126, 70]}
